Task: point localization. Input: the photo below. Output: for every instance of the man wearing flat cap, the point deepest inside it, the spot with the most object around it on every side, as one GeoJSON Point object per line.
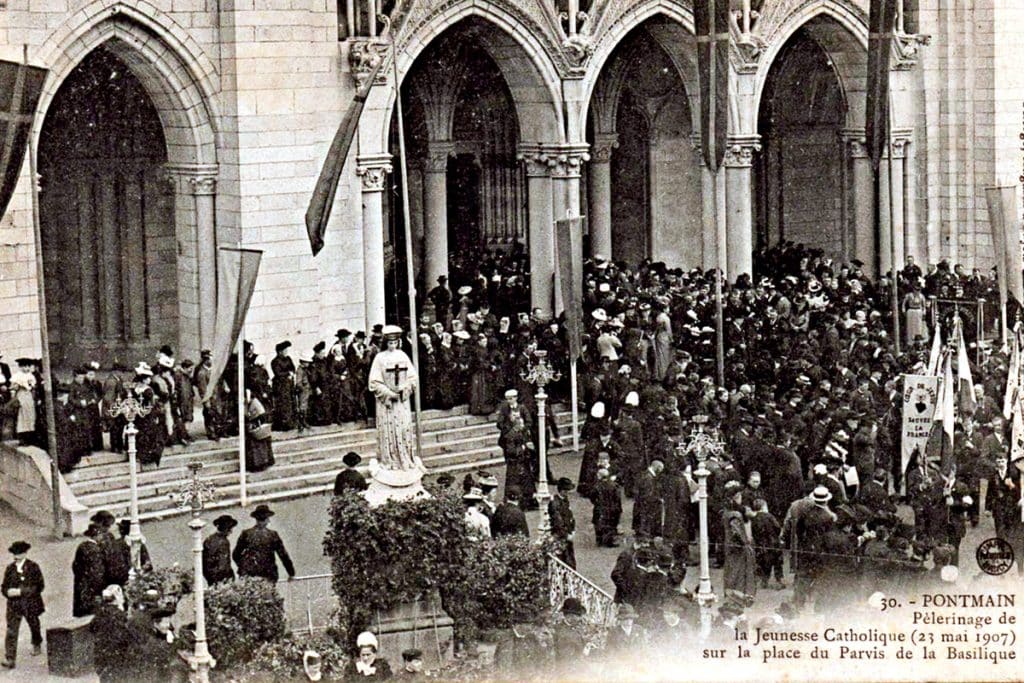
{"type": "Point", "coordinates": [283, 385]}
{"type": "Point", "coordinates": [350, 478]}
{"type": "Point", "coordinates": [258, 549]}
{"type": "Point", "coordinates": [23, 587]}
{"type": "Point", "coordinates": [217, 551]}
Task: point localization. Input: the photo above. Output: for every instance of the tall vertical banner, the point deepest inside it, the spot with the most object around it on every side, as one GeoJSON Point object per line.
{"type": "Point", "coordinates": [920, 396]}
{"type": "Point", "coordinates": [236, 271]}
{"type": "Point", "coordinates": [20, 88]}
{"type": "Point", "coordinates": [711, 20]}
{"type": "Point", "coordinates": [881, 22]}
{"type": "Point", "coordinates": [319, 211]}
{"type": "Point", "coordinates": [1002, 214]}
{"type": "Point", "coordinates": [570, 279]}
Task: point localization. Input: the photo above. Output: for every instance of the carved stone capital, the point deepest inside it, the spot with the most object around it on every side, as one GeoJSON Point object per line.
{"type": "Point", "coordinates": [740, 153]}
{"type": "Point", "coordinates": [855, 143]}
{"type": "Point", "coordinates": [569, 160]}
{"type": "Point", "coordinates": [194, 179]}
{"type": "Point", "coordinates": [365, 54]}
{"type": "Point", "coordinates": [601, 150]}
{"type": "Point", "coordinates": [577, 50]}
{"type": "Point", "coordinates": [538, 162]}
{"type": "Point", "coordinates": [436, 158]}
{"type": "Point", "coordinates": [905, 50]}
{"type": "Point", "coordinates": [373, 170]}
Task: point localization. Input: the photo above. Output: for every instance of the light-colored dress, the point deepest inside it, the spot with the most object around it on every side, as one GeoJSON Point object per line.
{"type": "Point", "coordinates": [913, 309]}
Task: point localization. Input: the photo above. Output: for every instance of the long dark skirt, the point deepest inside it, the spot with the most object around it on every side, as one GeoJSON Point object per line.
{"type": "Point", "coordinates": [259, 454]}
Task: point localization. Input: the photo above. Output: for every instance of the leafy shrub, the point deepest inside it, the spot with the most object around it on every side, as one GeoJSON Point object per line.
{"type": "Point", "coordinates": [282, 660]}
{"type": "Point", "coordinates": [170, 583]}
{"type": "Point", "coordinates": [242, 615]}
{"type": "Point", "coordinates": [392, 554]}
{"type": "Point", "coordinates": [503, 581]}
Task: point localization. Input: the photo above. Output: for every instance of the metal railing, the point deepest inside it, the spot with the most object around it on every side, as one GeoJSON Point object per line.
{"type": "Point", "coordinates": [566, 582]}
{"type": "Point", "coordinates": [309, 602]}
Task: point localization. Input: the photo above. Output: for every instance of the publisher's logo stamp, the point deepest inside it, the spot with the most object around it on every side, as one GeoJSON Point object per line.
{"type": "Point", "coordinates": [994, 556]}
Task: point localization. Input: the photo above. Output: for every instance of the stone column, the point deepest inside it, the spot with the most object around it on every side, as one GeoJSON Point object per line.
{"type": "Point", "coordinates": [600, 187]}
{"type": "Point", "coordinates": [196, 187]}
{"type": "Point", "coordinates": [891, 223]}
{"type": "Point", "coordinates": [862, 200]}
{"type": "Point", "coordinates": [204, 188]}
{"type": "Point", "coordinates": [739, 162]}
{"type": "Point", "coordinates": [540, 226]}
{"type": "Point", "coordinates": [435, 203]}
{"type": "Point", "coordinates": [373, 170]}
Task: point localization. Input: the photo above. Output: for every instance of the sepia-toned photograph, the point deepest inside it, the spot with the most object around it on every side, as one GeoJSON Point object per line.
{"type": "Point", "coordinates": [511, 340]}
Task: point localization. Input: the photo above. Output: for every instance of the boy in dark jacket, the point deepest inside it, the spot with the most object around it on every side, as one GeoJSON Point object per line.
{"type": "Point", "coordinates": [765, 528]}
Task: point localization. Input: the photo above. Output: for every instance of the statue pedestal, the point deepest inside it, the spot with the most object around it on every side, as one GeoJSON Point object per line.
{"type": "Point", "coordinates": [388, 485]}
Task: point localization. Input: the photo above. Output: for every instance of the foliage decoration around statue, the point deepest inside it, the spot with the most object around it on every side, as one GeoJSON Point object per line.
{"type": "Point", "coordinates": [399, 552]}
{"type": "Point", "coordinates": [241, 616]}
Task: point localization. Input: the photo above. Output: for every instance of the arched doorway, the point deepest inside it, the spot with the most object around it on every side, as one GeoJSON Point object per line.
{"type": "Point", "coordinates": [462, 101]}
{"type": "Point", "coordinates": [647, 180]}
{"type": "Point", "coordinates": [107, 216]}
{"type": "Point", "coordinates": [799, 174]}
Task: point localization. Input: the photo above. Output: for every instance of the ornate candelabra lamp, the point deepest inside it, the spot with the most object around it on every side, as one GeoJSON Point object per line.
{"type": "Point", "coordinates": [131, 409]}
{"type": "Point", "coordinates": [703, 444]}
{"type": "Point", "coordinates": [194, 494]}
{"type": "Point", "coordinates": [541, 374]}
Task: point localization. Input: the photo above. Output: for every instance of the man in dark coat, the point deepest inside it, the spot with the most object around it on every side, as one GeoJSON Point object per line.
{"type": "Point", "coordinates": [258, 548]}
{"type": "Point", "coordinates": [350, 478]}
{"type": "Point", "coordinates": [23, 587]}
{"type": "Point", "coordinates": [509, 519]}
{"type": "Point", "coordinates": [563, 523]}
{"type": "Point", "coordinates": [217, 551]}
{"type": "Point", "coordinates": [811, 529]}
{"type": "Point", "coordinates": [211, 408]}
{"type": "Point", "coordinates": [607, 500]}
{"type": "Point", "coordinates": [117, 568]}
{"type": "Point", "coordinates": [647, 508]}
{"type": "Point", "coordinates": [89, 571]}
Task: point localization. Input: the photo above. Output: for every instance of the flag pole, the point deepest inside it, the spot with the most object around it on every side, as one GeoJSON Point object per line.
{"type": "Point", "coordinates": [44, 335]}
{"type": "Point", "coordinates": [892, 233]}
{"type": "Point", "coordinates": [575, 407]}
{"type": "Point", "coordinates": [243, 493]}
{"type": "Point", "coordinates": [407, 225]}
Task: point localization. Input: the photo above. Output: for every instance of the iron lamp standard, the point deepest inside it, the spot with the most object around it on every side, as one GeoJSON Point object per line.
{"type": "Point", "coordinates": [194, 494]}
{"type": "Point", "coordinates": [131, 409]}
{"type": "Point", "coordinates": [703, 444]}
{"type": "Point", "coordinates": [541, 374]}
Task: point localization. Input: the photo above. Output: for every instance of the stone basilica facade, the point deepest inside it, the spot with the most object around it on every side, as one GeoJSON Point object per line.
{"type": "Point", "coordinates": [171, 127]}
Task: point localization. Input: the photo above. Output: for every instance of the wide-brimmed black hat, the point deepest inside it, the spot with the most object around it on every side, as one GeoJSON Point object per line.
{"type": "Point", "coordinates": [351, 459]}
{"type": "Point", "coordinates": [262, 512]}
{"type": "Point", "coordinates": [225, 523]}
{"type": "Point", "coordinates": [103, 518]}
{"type": "Point", "coordinates": [282, 346]}
{"type": "Point", "coordinates": [19, 548]}
{"type": "Point", "coordinates": [565, 484]}
{"type": "Point", "coordinates": [412, 653]}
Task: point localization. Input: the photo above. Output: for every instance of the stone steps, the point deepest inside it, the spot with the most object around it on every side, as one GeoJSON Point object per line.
{"type": "Point", "coordinates": [452, 441]}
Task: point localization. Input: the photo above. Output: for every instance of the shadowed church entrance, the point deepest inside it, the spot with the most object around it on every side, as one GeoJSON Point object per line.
{"type": "Point", "coordinates": [107, 214]}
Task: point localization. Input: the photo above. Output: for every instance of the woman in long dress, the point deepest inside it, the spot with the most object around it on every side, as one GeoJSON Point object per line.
{"type": "Point", "coordinates": [259, 450]}
{"type": "Point", "coordinates": [913, 311]}
{"type": "Point", "coordinates": [152, 427]}
{"type": "Point", "coordinates": [483, 368]}
{"type": "Point", "coordinates": [662, 343]}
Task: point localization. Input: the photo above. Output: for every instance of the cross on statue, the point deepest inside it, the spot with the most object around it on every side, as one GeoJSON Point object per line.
{"type": "Point", "coordinates": [397, 370]}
